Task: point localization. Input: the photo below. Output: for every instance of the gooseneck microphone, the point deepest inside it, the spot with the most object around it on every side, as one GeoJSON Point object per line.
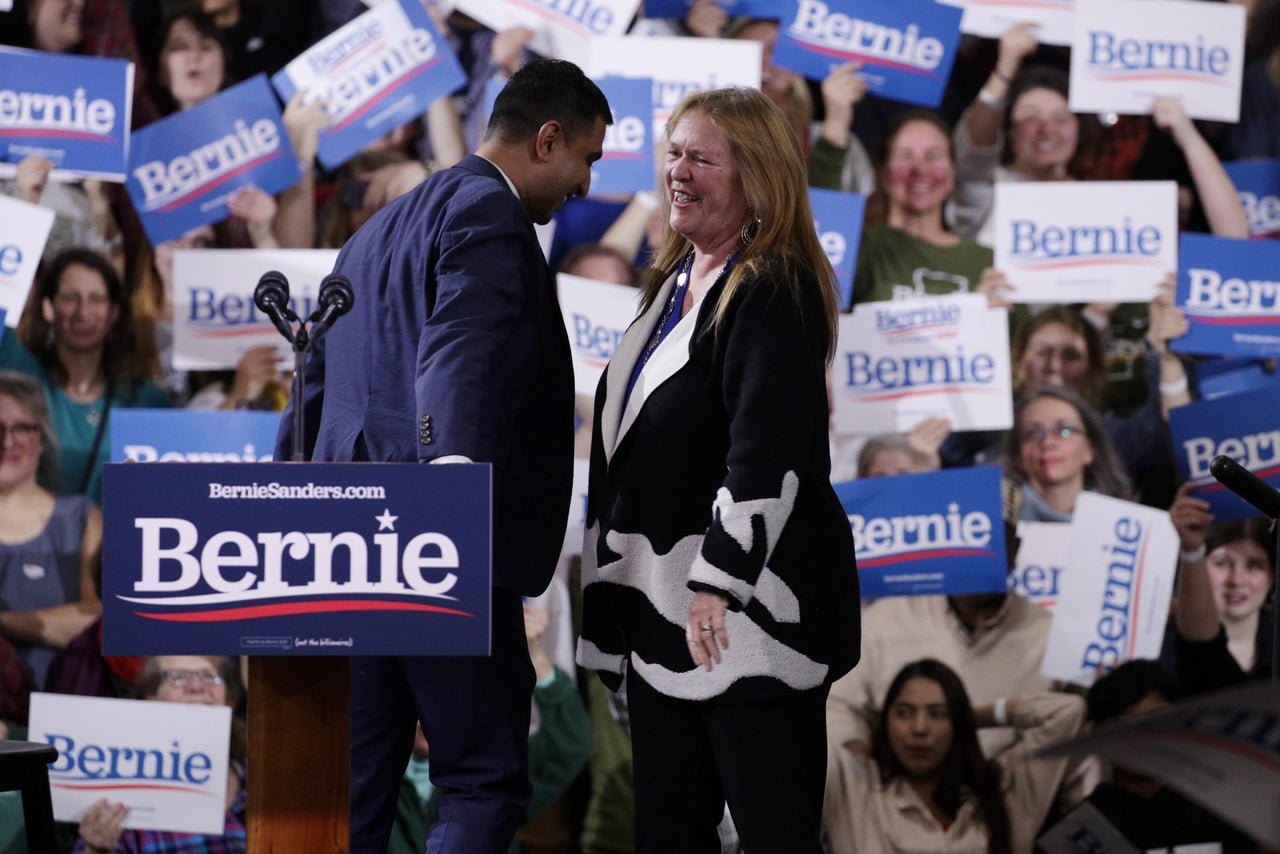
{"type": "Point", "coordinates": [1247, 485]}
{"type": "Point", "coordinates": [271, 296]}
{"type": "Point", "coordinates": [335, 300]}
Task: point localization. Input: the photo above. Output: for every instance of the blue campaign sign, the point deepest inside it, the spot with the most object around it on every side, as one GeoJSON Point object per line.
{"type": "Point", "coordinates": [1258, 183]}
{"type": "Point", "coordinates": [906, 47]}
{"type": "Point", "coordinates": [296, 559]}
{"type": "Point", "coordinates": [925, 534]}
{"type": "Point", "coordinates": [1230, 291]}
{"type": "Point", "coordinates": [627, 164]}
{"type": "Point", "coordinates": [1223, 375]}
{"type": "Point", "coordinates": [374, 74]}
{"type": "Point", "coordinates": [838, 218]}
{"type": "Point", "coordinates": [1245, 427]}
{"type": "Point", "coordinates": [193, 435]}
{"type": "Point", "coordinates": [71, 110]}
{"type": "Point", "coordinates": [182, 169]}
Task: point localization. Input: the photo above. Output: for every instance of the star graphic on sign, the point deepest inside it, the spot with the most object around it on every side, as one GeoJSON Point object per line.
{"type": "Point", "coordinates": [386, 522]}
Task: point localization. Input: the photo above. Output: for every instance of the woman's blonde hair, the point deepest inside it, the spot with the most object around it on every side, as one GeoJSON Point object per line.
{"type": "Point", "coordinates": [772, 170]}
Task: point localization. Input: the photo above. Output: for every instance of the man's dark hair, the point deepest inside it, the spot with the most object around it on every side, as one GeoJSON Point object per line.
{"type": "Point", "coordinates": [1114, 694]}
{"type": "Point", "coordinates": [547, 90]}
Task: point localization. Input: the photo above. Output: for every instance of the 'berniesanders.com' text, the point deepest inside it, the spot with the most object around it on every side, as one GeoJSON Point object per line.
{"type": "Point", "coordinates": [284, 490]}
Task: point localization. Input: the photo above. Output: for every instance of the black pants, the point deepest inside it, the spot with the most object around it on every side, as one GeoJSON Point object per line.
{"type": "Point", "coordinates": [475, 714]}
{"type": "Point", "coordinates": [767, 760]}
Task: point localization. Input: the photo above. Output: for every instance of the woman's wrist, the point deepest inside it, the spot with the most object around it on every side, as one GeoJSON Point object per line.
{"type": "Point", "coordinates": [1192, 555]}
{"type": "Point", "coordinates": [1172, 387]}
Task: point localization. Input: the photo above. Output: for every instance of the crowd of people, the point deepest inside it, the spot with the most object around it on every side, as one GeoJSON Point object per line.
{"type": "Point", "coordinates": [746, 700]}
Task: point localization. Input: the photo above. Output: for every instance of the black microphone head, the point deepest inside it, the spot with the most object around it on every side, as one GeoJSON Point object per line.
{"type": "Point", "coordinates": [1247, 485]}
{"type": "Point", "coordinates": [1223, 466]}
{"type": "Point", "coordinates": [336, 294]}
{"type": "Point", "coordinates": [272, 290]}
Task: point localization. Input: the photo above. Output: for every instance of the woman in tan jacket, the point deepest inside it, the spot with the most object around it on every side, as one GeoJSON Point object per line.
{"type": "Point", "coordinates": [926, 787]}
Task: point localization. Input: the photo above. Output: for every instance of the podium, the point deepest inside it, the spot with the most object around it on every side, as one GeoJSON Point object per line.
{"type": "Point", "coordinates": [297, 566]}
{"type": "Point", "coordinates": [298, 731]}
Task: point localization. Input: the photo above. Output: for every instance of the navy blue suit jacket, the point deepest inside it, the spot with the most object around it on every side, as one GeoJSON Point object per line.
{"type": "Point", "coordinates": [455, 345]}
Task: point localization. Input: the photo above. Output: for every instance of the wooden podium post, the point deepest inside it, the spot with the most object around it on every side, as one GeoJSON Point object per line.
{"type": "Point", "coordinates": [299, 762]}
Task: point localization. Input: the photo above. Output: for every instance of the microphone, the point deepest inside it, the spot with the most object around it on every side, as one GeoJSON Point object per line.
{"type": "Point", "coordinates": [1247, 485]}
{"type": "Point", "coordinates": [336, 299]}
{"type": "Point", "coordinates": [271, 296]}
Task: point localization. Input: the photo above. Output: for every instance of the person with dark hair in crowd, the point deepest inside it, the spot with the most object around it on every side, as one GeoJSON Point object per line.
{"type": "Point", "coordinates": [1148, 814]}
{"type": "Point", "coordinates": [1060, 348]}
{"type": "Point", "coordinates": [77, 339]}
{"type": "Point", "coordinates": [926, 785]}
{"type": "Point", "coordinates": [192, 65]}
{"type": "Point", "coordinates": [455, 351]}
{"type": "Point", "coordinates": [1057, 449]}
{"type": "Point", "coordinates": [1223, 629]}
{"type": "Point", "coordinates": [907, 250]}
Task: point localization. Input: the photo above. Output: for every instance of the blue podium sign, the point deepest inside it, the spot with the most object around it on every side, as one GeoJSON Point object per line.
{"type": "Point", "coordinates": [293, 559]}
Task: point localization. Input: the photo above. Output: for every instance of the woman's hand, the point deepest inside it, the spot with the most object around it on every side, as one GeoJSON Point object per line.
{"type": "Point", "coordinates": [391, 182]}
{"type": "Point", "coordinates": [101, 826]}
{"type": "Point", "coordinates": [258, 209]}
{"type": "Point", "coordinates": [303, 120]}
{"type": "Point", "coordinates": [842, 90]}
{"type": "Point", "coordinates": [1168, 114]}
{"type": "Point", "coordinates": [507, 49]}
{"type": "Point", "coordinates": [997, 287]}
{"type": "Point", "coordinates": [32, 175]}
{"type": "Point", "coordinates": [1168, 321]}
{"type": "Point", "coordinates": [1016, 45]}
{"type": "Point", "coordinates": [1191, 517]}
{"type": "Point", "coordinates": [705, 630]}
{"type": "Point", "coordinates": [927, 437]}
{"type": "Point", "coordinates": [258, 366]}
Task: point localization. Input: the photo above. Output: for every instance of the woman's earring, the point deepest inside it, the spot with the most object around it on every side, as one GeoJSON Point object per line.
{"type": "Point", "coordinates": [750, 229]}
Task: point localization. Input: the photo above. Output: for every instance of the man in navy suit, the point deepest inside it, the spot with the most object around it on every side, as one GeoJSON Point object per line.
{"type": "Point", "coordinates": [455, 351]}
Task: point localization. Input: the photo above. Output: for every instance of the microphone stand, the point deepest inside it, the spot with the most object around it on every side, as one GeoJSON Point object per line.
{"type": "Point", "coordinates": [300, 340]}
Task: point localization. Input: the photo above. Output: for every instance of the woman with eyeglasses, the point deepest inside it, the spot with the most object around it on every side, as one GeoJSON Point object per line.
{"type": "Point", "coordinates": [1059, 347]}
{"type": "Point", "coordinates": [48, 543]}
{"type": "Point", "coordinates": [77, 339]}
{"type": "Point", "coordinates": [212, 680]}
{"type": "Point", "coordinates": [1057, 449]}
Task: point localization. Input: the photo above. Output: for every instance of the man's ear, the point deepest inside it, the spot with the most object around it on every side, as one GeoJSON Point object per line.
{"type": "Point", "coordinates": [550, 135]}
